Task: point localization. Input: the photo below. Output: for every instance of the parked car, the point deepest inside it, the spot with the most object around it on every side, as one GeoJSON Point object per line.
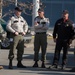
{"type": "Point", "coordinates": [5, 43]}
{"type": "Point", "coordinates": [3, 34]}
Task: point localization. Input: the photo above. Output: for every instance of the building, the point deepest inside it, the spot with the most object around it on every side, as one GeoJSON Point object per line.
{"type": "Point", "coordinates": [53, 10]}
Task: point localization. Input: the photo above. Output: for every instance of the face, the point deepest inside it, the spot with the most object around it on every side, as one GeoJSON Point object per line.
{"type": "Point", "coordinates": [18, 13]}
{"type": "Point", "coordinates": [41, 14]}
{"type": "Point", "coordinates": [65, 16]}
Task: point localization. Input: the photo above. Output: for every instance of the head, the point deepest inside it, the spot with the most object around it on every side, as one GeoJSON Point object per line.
{"type": "Point", "coordinates": [65, 14]}
{"type": "Point", "coordinates": [41, 13]}
{"type": "Point", "coordinates": [18, 11]}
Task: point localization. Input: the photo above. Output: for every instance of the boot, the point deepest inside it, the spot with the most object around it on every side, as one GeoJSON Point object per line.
{"type": "Point", "coordinates": [20, 65]}
{"type": "Point", "coordinates": [54, 66]}
{"type": "Point", "coordinates": [35, 64]}
{"type": "Point", "coordinates": [10, 64]}
{"type": "Point", "coordinates": [43, 65]}
{"type": "Point", "coordinates": [63, 67]}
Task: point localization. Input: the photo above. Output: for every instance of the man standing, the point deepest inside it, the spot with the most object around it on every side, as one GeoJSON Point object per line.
{"type": "Point", "coordinates": [17, 27]}
{"type": "Point", "coordinates": [41, 25]}
{"type": "Point", "coordinates": [62, 35]}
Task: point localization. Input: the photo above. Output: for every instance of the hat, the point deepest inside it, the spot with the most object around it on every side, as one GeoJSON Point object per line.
{"type": "Point", "coordinates": [40, 10]}
{"type": "Point", "coordinates": [65, 12]}
{"type": "Point", "coordinates": [18, 8]}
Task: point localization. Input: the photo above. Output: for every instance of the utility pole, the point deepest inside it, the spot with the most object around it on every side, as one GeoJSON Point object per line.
{"type": "Point", "coordinates": [35, 9]}
{"type": "Point", "coordinates": [1, 1]}
{"type": "Point", "coordinates": [16, 3]}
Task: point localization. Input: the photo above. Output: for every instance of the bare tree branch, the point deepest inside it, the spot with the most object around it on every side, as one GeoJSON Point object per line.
{"type": "Point", "coordinates": [26, 6]}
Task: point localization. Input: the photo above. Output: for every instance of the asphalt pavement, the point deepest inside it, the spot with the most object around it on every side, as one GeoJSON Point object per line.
{"type": "Point", "coordinates": [28, 62]}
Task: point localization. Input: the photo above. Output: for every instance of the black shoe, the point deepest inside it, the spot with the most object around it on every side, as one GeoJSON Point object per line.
{"type": "Point", "coordinates": [54, 66]}
{"type": "Point", "coordinates": [20, 65]}
{"type": "Point", "coordinates": [43, 65]}
{"type": "Point", "coordinates": [35, 65]}
{"type": "Point", "coordinates": [72, 70]}
{"type": "Point", "coordinates": [63, 67]}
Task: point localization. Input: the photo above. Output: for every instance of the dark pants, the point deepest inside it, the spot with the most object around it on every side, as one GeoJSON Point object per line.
{"type": "Point", "coordinates": [17, 43]}
{"type": "Point", "coordinates": [59, 45]}
{"type": "Point", "coordinates": [40, 40]}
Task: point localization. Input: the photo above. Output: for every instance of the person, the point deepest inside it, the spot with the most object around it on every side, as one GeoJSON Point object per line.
{"type": "Point", "coordinates": [1, 67]}
{"type": "Point", "coordinates": [73, 69]}
{"type": "Point", "coordinates": [41, 24]}
{"type": "Point", "coordinates": [62, 35]}
{"type": "Point", "coordinates": [17, 27]}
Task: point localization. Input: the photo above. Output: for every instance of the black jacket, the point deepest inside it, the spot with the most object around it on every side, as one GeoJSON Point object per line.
{"type": "Point", "coordinates": [63, 30]}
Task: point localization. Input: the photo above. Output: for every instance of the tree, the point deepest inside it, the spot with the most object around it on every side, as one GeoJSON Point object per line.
{"type": "Point", "coordinates": [25, 5]}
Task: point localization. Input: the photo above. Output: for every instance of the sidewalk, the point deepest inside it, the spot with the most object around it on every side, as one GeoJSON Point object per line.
{"type": "Point", "coordinates": [28, 61]}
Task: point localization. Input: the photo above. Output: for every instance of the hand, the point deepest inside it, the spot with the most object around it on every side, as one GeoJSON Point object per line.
{"type": "Point", "coordinates": [36, 23]}
{"type": "Point", "coordinates": [54, 39]}
{"type": "Point", "coordinates": [70, 41]}
{"type": "Point", "coordinates": [16, 33]}
{"type": "Point", "coordinates": [24, 33]}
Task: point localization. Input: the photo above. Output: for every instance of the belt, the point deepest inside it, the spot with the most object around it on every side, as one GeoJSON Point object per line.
{"type": "Point", "coordinates": [40, 32]}
{"type": "Point", "coordinates": [20, 33]}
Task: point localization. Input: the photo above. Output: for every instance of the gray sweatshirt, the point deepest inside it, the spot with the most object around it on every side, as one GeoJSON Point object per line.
{"type": "Point", "coordinates": [41, 25]}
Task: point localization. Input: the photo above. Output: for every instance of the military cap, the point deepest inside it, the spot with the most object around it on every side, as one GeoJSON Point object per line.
{"type": "Point", "coordinates": [40, 10]}
{"type": "Point", "coordinates": [65, 12]}
{"type": "Point", "coordinates": [18, 8]}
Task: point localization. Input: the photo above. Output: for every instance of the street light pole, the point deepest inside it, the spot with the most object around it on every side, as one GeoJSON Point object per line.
{"type": "Point", "coordinates": [16, 3]}
{"type": "Point", "coordinates": [35, 9]}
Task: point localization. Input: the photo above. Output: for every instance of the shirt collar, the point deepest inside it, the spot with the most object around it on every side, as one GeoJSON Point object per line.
{"type": "Point", "coordinates": [17, 16]}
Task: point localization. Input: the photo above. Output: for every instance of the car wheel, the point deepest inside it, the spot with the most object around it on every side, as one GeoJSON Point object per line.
{"type": "Point", "coordinates": [5, 43]}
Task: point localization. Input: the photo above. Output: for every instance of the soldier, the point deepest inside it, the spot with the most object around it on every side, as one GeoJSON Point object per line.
{"type": "Point", "coordinates": [62, 34]}
{"type": "Point", "coordinates": [17, 27]}
{"type": "Point", "coordinates": [41, 24]}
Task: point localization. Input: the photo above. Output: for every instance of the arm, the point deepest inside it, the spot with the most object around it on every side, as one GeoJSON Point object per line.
{"type": "Point", "coordinates": [9, 28]}
{"type": "Point", "coordinates": [55, 32]}
{"type": "Point", "coordinates": [46, 26]}
{"type": "Point", "coordinates": [37, 24]}
{"type": "Point", "coordinates": [72, 35]}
